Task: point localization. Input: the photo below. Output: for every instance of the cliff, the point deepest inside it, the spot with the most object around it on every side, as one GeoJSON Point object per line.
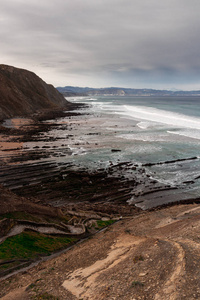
{"type": "Point", "coordinates": [23, 93]}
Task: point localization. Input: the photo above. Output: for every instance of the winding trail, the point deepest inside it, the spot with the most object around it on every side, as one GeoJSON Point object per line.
{"type": "Point", "coordinates": [82, 282]}
{"type": "Point", "coordinates": [154, 256]}
{"type": "Point", "coordinates": [169, 289]}
{"type": "Point", "coordinates": [164, 234]}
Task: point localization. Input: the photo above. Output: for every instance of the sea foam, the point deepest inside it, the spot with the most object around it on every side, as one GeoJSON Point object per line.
{"type": "Point", "coordinates": [194, 134]}
{"type": "Point", "coordinates": [160, 116]}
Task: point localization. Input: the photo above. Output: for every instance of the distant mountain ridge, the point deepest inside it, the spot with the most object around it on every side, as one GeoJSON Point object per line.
{"type": "Point", "coordinates": [116, 91]}
{"type": "Point", "coordinates": [23, 93]}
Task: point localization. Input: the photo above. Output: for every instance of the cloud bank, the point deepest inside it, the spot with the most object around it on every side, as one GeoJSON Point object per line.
{"type": "Point", "coordinates": [130, 43]}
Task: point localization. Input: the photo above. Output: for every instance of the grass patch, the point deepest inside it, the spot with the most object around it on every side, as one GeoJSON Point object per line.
{"type": "Point", "coordinates": [102, 224]}
{"type": "Point", "coordinates": [30, 245]}
{"type": "Point", "coordinates": [137, 283]}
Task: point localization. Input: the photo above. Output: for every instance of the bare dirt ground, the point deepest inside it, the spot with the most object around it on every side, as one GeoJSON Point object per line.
{"type": "Point", "coordinates": [154, 255]}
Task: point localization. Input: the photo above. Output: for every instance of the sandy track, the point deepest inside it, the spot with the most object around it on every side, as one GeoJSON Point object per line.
{"type": "Point", "coordinates": [152, 256]}
{"type": "Point", "coordinates": [82, 282]}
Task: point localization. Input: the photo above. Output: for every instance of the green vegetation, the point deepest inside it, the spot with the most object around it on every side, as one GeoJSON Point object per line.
{"type": "Point", "coordinates": [102, 224]}
{"type": "Point", "coordinates": [30, 245]}
{"type": "Point", "coordinates": [138, 258]}
{"type": "Point", "coordinates": [137, 283]}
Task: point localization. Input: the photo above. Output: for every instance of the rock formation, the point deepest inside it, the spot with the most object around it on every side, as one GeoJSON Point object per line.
{"type": "Point", "coordinates": [23, 93]}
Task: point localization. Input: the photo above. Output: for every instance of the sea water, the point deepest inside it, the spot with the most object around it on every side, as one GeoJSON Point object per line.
{"type": "Point", "coordinates": [146, 130]}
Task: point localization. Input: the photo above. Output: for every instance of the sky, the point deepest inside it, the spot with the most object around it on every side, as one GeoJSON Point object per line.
{"type": "Point", "coordinates": [102, 43]}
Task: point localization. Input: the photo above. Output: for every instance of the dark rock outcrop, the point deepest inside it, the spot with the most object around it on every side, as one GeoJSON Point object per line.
{"type": "Point", "coordinates": [23, 93]}
{"type": "Point", "coordinates": [10, 202]}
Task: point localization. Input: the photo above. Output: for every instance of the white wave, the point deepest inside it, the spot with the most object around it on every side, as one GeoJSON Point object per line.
{"type": "Point", "coordinates": [90, 99]}
{"type": "Point", "coordinates": [97, 106]}
{"type": "Point", "coordinates": [106, 107]}
{"type": "Point", "coordinates": [143, 149]}
{"type": "Point", "coordinates": [194, 134]}
{"type": "Point", "coordinates": [77, 151]}
{"type": "Point", "coordinates": [74, 99]}
{"type": "Point", "coordinates": [113, 128]}
{"type": "Point", "coordinates": [150, 137]}
{"type": "Point", "coordinates": [146, 125]}
{"type": "Point", "coordinates": [161, 116]}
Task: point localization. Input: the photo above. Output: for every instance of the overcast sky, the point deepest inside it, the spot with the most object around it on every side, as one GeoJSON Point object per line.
{"type": "Point", "coordinates": [100, 43]}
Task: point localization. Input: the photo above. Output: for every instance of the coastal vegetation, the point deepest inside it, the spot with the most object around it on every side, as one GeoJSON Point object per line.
{"type": "Point", "coordinates": [30, 245]}
{"type": "Point", "coordinates": [52, 206]}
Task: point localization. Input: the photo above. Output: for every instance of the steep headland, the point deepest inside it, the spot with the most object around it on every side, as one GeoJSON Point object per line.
{"type": "Point", "coordinates": [23, 93]}
{"type": "Point", "coordinates": [48, 205]}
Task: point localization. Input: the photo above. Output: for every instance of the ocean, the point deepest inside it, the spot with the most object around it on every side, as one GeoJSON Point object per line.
{"type": "Point", "coordinates": [160, 133]}
{"type": "Point", "coordinates": [158, 137]}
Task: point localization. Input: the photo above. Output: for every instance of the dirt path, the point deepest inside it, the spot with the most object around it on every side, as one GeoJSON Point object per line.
{"type": "Point", "coordinates": [152, 256]}
{"type": "Point", "coordinates": [19, 294]}
{"type": "Point", "coordinates": [169, 289]}
{"type": "Point", "coordinates": [82, 282]}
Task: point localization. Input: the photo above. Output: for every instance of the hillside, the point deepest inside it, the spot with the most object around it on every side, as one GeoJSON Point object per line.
{"type": "Point", "coordinates": [54, 243]}
{"type": "Point", "coordinates": [23, 93]}
{"type": "Point", "coordinates": [152, 256]}
{"type": "Point", "coordinates": [115, 91]}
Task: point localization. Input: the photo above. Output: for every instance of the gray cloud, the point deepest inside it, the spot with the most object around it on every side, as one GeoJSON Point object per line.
{"type": "Point", "coordinates": [132, 43]}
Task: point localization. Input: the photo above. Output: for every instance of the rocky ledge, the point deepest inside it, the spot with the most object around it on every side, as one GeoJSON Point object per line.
{"type": "Point", "coordinates": [23, 93]}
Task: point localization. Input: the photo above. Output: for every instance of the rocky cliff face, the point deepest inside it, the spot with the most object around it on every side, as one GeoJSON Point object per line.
{"type": "Point", "coordinates": [23, 93]}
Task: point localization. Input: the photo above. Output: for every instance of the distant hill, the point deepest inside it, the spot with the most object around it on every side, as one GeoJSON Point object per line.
{"type": "Point", "coordinates": [69, 91]}
{"type": "Point", "coordinates": [124, 91]}
{"type": "Point", "coordinates": [23, 93]}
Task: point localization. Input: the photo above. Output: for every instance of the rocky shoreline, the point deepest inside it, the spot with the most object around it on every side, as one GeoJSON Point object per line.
{"type": "Point", "coordinates": [47, 191]}
{"type": "Point", "coordinates": [74, 225]}
{"type": "Point", "coordinates": [36, 161]}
